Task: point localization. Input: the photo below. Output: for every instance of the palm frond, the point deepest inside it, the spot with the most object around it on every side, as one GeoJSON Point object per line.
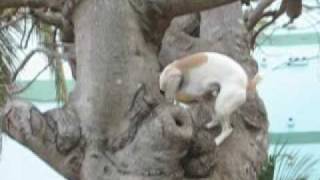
{"type": "Point", "coordinates": [9, 48]}
{"type": "Point", "coordinates": [60, 82]}
{"type": "Point", "coordinates": [296, 166]}
{"type": "Point", "coordinates": [47, 37]}
{"type": "Point", "coordinates": [17, 37]}
{"type": "Point", "coordinates": [9, 56]}
{"type": "Point", "coordinates": [4, 79]}
{"type": "Point", "coordinates": [285, 164]}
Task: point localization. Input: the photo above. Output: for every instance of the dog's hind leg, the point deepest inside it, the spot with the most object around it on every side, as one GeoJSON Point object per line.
{"type": "Point", "coordinates": [229, 99]}
{"type": "Point", "coordinates": [212, 91]}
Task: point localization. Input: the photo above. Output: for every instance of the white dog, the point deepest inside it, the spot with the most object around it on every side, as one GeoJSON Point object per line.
{"type": "Point", "coordinates": [191, 78]}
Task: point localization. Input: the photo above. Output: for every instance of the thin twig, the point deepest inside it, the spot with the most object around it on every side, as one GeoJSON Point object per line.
{"type": "Point", "coordinates": [29, 34]}
{"type": "Point", "coordinates": [257, 14]}
{"type": "Point", "coordinates": [54, 36]}
{"type": "Point", "coordinates": [30, 82]}
{"type": "Point", "coordinates": [275, 16]}
{"type": "Point", "coordinates": [26, 60]}
{"type": "Point", "coordinates": [269, 13]}
{"type": "Point", "coordinates": [24, 31]}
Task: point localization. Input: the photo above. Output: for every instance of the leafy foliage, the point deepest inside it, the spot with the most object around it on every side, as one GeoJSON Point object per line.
{"type": "Point", "coordinates": [60, 81]}
{"type": "Point", "coordinates": [14, 41]}
{"type": "Point", "coordinates": [283, 164]}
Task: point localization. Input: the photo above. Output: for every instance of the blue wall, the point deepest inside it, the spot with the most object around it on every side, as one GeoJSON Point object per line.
{"type": "Point", "coordinates": [292, 91]}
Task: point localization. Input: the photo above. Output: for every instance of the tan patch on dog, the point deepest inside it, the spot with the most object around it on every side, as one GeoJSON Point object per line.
{"type": "Point", "coordinates": [190, 62]}
{"type": "Point", "coordinates": [184, 98]}
{"type": "Point", "coordinates": [184, 65]}
{"type": "Point", "coordinates": [252, 85]}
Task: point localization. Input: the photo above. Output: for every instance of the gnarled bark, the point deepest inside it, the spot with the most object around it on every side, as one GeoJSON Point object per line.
{"type": "Point", "coordinates": [54, 136]}
{"type": "Point", "coordinates": [117, 125]}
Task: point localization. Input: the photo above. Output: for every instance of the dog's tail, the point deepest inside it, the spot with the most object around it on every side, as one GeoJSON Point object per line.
{"type": "Point", "coordinates": [252, 85]}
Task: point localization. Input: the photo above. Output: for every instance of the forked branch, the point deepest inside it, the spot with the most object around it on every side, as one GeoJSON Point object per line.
{"type": "Point", "coordinates": [258, 13]}
{"type": "Point", "coordinates": [275, 15]}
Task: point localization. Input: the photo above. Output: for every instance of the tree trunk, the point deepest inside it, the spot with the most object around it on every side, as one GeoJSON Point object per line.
{"type": "Point", "coordinates": [118, 126]}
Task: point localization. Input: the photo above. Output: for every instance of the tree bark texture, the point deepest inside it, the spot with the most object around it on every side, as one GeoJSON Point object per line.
{"type": "Point", "coordinates": [117, 126]}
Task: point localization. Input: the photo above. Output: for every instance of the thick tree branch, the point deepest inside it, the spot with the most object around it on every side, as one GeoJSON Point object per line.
{"type": "Point", "coordinates": [48, 135]}
{"type": "Point", "coordinates": [60, 20]}
{"type": "Point", "coordinates": [31, 3]}
{"type": "Point", "coordinates": [55, 19]}
{"type": "Point", "coordinates": [174, 8]}
{"type": "Point", "coordinates": [156, 15]}
{"type": "Point", "coordinates": [60, 16]}
{"type": "Point", "coordinates": [258, 13]}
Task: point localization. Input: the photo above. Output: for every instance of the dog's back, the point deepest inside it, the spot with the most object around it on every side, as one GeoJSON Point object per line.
{"type": "Point", "coordinates": [212, 69]}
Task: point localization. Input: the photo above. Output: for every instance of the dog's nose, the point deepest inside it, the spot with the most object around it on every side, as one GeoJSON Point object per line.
{"type": "Point", "coordinates": [162, 92]}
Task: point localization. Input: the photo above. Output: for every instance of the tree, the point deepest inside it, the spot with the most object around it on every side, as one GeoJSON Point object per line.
{"type": "Point", "coordinates": [115, 124]}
